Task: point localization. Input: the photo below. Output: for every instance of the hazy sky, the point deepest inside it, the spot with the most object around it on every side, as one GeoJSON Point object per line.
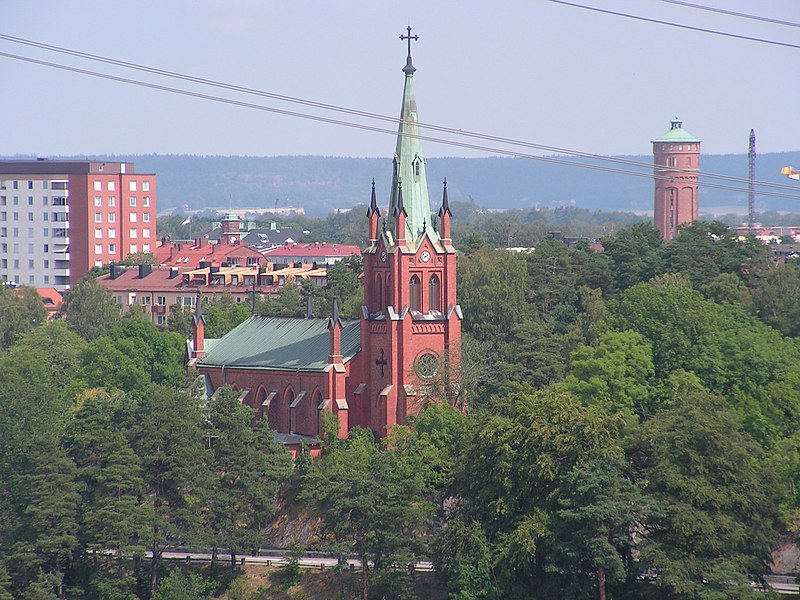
{"type": "Point", "coordinates": [525, 69]}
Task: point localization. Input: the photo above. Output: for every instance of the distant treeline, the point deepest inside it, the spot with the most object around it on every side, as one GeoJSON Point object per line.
{"type": "Point", "coordinates": [321, 184]}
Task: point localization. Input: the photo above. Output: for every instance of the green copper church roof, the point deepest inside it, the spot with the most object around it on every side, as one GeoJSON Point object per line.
{"type": "Point", "coordinates": [409, 183]}
{"type": "Point", "coordinates": [280, 343]}
{"type": "Point", "coordinates": [677, 134]}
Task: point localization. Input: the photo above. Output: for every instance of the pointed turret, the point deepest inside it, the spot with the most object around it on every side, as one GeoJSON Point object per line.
{"type": "Point", "coordinates": [444, 216]}
{"type": "Point", "coordinates": [409, 164]}
{"type": "Point", "coordinates": [198, 330]}
{"type": "Point", "coordinates": [400, 215]}
{"type": "Point", "coordinates": [335, 328]}
{"type": "Point", "coordinates": [374, 215]}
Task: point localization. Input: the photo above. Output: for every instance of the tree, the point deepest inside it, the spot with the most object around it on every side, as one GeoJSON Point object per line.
{"type": "Point", "coordinates": [599, 508]}
{"type": "Point", "coordinates": [715, 529]}
{"type": "Point", "coordinates": [185, 586]}
{"type": "Point", "coordinates": [777, 300]}
{"type": "Point", "coordinates": [247, 466]}
{"type": "Point", "coordinates": [166, 432]}
{"type": "Point", "coordinates": [90, 310]}
{"type": "Point", "coordinates": [463, 561]}
{"type": "Point", "coordinates": [21, 310]}
{"type": "Point", "coordinates": [615, 373]}
{"type": "Point", "coordinates": [524, 452]}
{"type": "Point", "coordinates": [49, 532]}
{"type": "Point", "coordinates": [373, 499]}
{"type": "Point", "coordinates": [703, 250]}
{"type": "Point", "coordinates": [634, 254]}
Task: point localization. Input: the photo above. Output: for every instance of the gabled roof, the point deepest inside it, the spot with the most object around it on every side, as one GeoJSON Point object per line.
{"type": "Point", "coordinates": [281, 343]}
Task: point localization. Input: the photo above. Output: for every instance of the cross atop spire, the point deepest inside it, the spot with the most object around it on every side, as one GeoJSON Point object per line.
{"type": "Point", "coordinates": [409, 68]}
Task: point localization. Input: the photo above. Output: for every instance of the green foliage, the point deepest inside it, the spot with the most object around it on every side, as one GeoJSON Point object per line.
{"type": "Point", "coordinates": [777, 300]}
{"type": "Point", "coordinates": [247, 466]}
{"type": "Point", "coordinates": [223, 314]}
{"type": "Point", "coordinates": [90, 310]}
{"type": "Point", "coordinates": [615, 373]}
{"type": "Point", "coordinates": [290, 571]}
{"type": "Point", "coordinates": [21, 310]}
{"type": "Point", "coordinates": [704, 472]}
{"type": "Point", "coordinates": [180, 585]}
{"type": "Point", "coordinates": [634, 254]}
{"type": "Point", "coordinates": [463, 561]}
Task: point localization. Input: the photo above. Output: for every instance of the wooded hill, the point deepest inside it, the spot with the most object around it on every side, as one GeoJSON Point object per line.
{"type": "Point", "coordinates": [321, 184]}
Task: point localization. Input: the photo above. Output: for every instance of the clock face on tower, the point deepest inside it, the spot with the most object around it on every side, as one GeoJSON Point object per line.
{"type": "Point", "coordinates": [425, 256]}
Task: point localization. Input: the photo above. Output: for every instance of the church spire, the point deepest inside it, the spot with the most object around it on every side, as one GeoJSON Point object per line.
{"type": "Point", "coordinates": [409, 165]}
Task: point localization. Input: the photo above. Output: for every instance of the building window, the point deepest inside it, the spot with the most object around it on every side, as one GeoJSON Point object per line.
{"type": "Point", "coordinates": [30, 200]}
{"type": "Point", "coordinates": [30, 248]}
{"type": "Point", "coordinates": [146, 232]}
{"type": "Point", "coordinates": [98, 217]}
{"type": "Point", "coordinates": [46, 217]}
{"type": "Point", "coordinates": [145, 300]}
{"type": "Point", "coordinates": [45, 184]}
{"type": "Point", "coordinates": [132, 185]}
{"type": "Point", "coordinates": [134, 248]}
{"type": "Point", "coordinates": [134, 233]}
{"type": "Point", "coordinates": [98, 186]}
{"type": "Point", "coordinates": [161, 300]}
{"type": "Point", "coordinates": [112, 248]}
{"type": "Point", "coordinates": [47, 278]}
{"type": "Point", "coordinates": [98, 248]}
{"type": "Point", "coordinates": [117, 299]}
{"type": "Point", "coordinates": [30, 185]}
{"type": "Point", "coordinates": [30, 279]}
{"type": "Point", "coordinates": [30, 216]}
{"type": "Point", "coordinates": [98, 201]}
{"type": "Point", "coordinates": [16, 200]}
{"type": "Point", "coordinates": [133, 200]}
{"type": "Point", "coordinates": [146, 217]}
{"type": "Point", "coordinates": [98, 264]}
{"type": "Point", "coordinates": [3, 216]}
{"type": "Point", "coordinates": [413, 291]}
{"type": "Point", "coordinates": [146, 201]}
{"type": "Point", "coordinates": [112, 217]}
{"type": "Point", "coordinates": [46, 264]}
{"type": "Point", "coordinates": [46, 248]}
{"type": "Point", "coordinates": [688, 161]}
{"type": "Point", "coordinates": [46, 233]}
{"type": "Point", "coordinates": [145, 247]}
{"type": "Point", "coordinates": [134, 218]}
{"type": "Point", "coordinates": [160, 319]}
{"type": "Point", "coordinates": [111, 186]}
{"type": "Point", "coordinates": [98, 234]}
{"type": "Point", "coordinates": [30, 264]}
{"type": "Point", "coordinates": [112, 201]}
{"type": "Point", "coordinates": [16, 216]}
{"type": "Point", "coordinates": [145, 186]}
{"type": "Point", "coordinates": [45, 201]}
{"type": "Point", "coordinates": [112, 232]}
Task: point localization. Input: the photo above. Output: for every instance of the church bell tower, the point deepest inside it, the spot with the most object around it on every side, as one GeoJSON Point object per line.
{"type": "Point", "coordinates": [410, 322]}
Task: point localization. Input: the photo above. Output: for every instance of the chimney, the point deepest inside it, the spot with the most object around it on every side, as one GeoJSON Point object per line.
{"type": "Point", "coordinates": [309, 307]}
{"type": "Point", "coordinates": [173, 272]}
{"type": "Point", "coordinates": [116, 270]}
{"type": "Point", "coordinates": [145, 270]}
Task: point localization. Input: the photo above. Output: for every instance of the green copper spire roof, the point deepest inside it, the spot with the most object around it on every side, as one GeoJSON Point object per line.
{"type": "Point", "coordinates": [676, 134]}
{"type": "Point", "coordinates": [409, 166]}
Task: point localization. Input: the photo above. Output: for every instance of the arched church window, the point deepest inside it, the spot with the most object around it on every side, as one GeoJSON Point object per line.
{"type": "Point", "coordinates": [288, 399]}
{"type": "Point", "coordinates": [433, 293]}
{"type": "Point", "coordinates": [389, 290]}
{"type": "Point", "coordinates": [379, 292]}
{"type": "Point", "coordinates": [413, 293]}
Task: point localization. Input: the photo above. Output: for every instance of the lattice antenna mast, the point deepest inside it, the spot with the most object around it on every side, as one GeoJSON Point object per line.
{"type": "Point", "coordinates": [751, 188]}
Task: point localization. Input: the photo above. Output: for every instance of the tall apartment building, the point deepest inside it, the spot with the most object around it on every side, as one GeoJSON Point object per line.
{"type": "Point", "coordinates": [58, 219]}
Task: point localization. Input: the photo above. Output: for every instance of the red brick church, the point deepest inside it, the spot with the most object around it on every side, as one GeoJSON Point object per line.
{"type": "Point", "coordinates": [371, 372]}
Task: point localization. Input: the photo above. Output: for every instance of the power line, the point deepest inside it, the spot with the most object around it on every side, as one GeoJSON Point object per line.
{"type": "Point", "coordinates": [372, 128]}
{"type": "Point", "coordinates": [365, 114]}
{"type": "Point", "coordinates": [678, 25]}
{"type": "Point", "coordinates": [732, 13]}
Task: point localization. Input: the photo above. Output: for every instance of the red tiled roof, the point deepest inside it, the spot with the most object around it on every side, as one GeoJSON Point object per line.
{"type": "Point", "coordinates": [297, 251]}
{"type": "Point", "coordinates": [187, 256]}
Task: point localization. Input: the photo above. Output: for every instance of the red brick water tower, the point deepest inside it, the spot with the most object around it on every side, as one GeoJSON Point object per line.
{"type": "Point", "coordinates": [676, 162]}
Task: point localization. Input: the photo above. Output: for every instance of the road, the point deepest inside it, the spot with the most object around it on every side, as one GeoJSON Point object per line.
{"type": "Point", "coordinates": [306, 562]}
